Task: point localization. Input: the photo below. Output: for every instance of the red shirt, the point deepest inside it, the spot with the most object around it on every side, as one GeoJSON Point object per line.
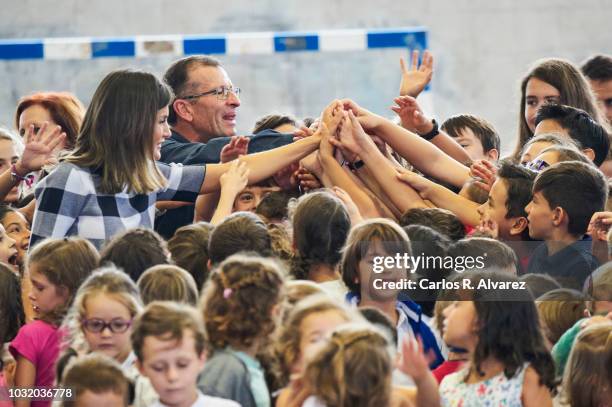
{"type": "Point", "coordinates": [446, 368]}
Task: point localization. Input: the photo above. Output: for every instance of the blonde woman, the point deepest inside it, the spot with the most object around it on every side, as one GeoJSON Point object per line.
{"type": "Point", "coordinates": [111, 181]}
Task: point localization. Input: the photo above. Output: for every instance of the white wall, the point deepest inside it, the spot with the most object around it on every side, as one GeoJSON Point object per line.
{"type": "Point", "coordinates": [481, 47]}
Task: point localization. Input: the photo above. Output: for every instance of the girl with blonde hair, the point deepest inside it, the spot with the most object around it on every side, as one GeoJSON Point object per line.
{"type": "Point", "coordinates": [100, 320]}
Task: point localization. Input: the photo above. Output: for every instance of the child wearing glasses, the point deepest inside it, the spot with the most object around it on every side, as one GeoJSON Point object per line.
{"type": "Point", "coordinates": [101, 321]}
{"type": "Point", "coordinates": [57, 267]}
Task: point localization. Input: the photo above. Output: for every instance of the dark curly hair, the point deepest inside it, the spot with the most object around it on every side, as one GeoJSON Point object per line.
{"type": "Point", "coordinates": [238, 300]}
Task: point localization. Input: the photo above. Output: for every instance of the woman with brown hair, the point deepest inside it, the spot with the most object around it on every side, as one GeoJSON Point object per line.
{"type": "Point", "coordinates": [111, 181]}
{"type": "Point", "coordinates": [552, 81]}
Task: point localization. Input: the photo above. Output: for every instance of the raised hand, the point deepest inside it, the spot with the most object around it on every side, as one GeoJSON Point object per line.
{"type": "Point", "coordinates": [355, 141]}
{"type": "Point", "coordinates": [599, 226]}
{"type": "Point", "coordinates": [308, 181]}
{"type": "Point", "coordinates": [368, 120]}
{"type": "Point", "coordinates": [235, 179]}
{"type": "Point", "coordinates": [350, 205]}
{"type": "Point", "coordinates": [485, 173]}
{"type": "Point", "coordinates": [416, 78]}
{"type": "Point", "coordinates": [237, 146]}
{"type": "Point", "coordinates": [344, 133]}
{"type": "Point", "coordinates": [489, 228]}
{"type": "Point", "coordinates": [41, 147]}
{"type": "Point", "coordinates": [420, 184]}
{"type": "Point", "coordinates": [302, 132]}
{"type": "Point", "coordinates": [411, 115]}
{"type": "Point", "coordinates": [311, 163]}
{"type": "Point", "coordinates": [413, 360]}
{"type": "Point", "coordinates": [331, 117]}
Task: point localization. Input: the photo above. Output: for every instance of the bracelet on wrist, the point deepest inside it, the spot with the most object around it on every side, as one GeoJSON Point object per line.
{"type": "Point", "coordinates": [432, 133]}
{"type": "Point", "coordinates": [356, 165]}
{"type": "Point", "coordinates": [29, 179]}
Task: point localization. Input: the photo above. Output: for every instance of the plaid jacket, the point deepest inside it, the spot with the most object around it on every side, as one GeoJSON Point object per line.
{"type": "Point", "coordinates": [68, 203]}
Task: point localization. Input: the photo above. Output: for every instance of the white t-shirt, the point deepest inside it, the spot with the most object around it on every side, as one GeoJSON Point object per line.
{"type": "Point", "coordinates": [206, 401]}
{"type": "Point", "coordinates": [335, 289]}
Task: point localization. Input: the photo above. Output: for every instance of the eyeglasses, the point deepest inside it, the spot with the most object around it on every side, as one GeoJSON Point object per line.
{"type": "Point", "coordinates": [537, 165]}
{"type": "Point", "coordinates": [116, 326]}
{"type": "Point", "coordinates": [221, 92]}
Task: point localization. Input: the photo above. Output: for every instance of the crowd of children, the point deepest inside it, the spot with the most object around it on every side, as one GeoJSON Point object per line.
{"type": "Point", "coordinates": [370, 262]}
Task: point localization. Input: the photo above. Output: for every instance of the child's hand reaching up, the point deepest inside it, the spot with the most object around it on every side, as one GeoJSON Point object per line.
{"type": "Point", "coordinates": [411, 115]}
{"type": "Point", "coordinates": [489, 228]}
{"type": "Point", "coordinates": [599, 225]}
{"type": "Point", "coordinates": [485, 172]}
{"type": "Point", "coordinates": [415, 79]}
{"type": "Point", "coordinates": [308, 180]}
{"type": "Point", "coordinates": [415, 363]}
{"type": "Point", "coordinates": [413, 360]}
{"type": "Point", "coordinates": [420, 184]}
{"type": "Point", "coordinates": [235, 179]}
{"type": "Point", "coordinates": [331, 117]}
{"type": "Point", "coordinates": [237, 146]}
{"type": "Point", "coordinates": [353, 138]}
{"type": "Point", "coordinates": [368, 120]}
{"type": "Point", "coordinates": [350, 205]}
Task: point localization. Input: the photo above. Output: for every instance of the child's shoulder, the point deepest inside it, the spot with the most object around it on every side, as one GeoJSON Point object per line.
{"type": "Point", "coordinates": [33, 338]}
{"type": "Point", "coordinates": [533, 389]}
{"type": "Point", "coordinates": [222, 364]}
{"type": "Point", "coordinates": [37, 327]}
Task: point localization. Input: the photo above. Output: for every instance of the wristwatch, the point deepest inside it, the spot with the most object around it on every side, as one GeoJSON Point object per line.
{"type": "Point", "coordinates": [356, 165]}
{"type": "Point", "coordinates": [433, 133]}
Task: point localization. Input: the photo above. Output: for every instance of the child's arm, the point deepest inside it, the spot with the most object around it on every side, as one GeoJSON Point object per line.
{"type": "Point", "coordinates": [414, 363]}
{"type": "Point", "coordinates": [25, 376]}
{"type": "Point", "coordinates": [205, 204]}
{"type": "Point", "coordinates": [263, 165]}
{"type": "Point", "coordinates": [359, 143]}
{"type": "Point", "coordinates": [335, 172]}
{"type": "Point", "coordinates": [415, 79]}
{"type": "Point", "coordinates": [351, 208]}
{"type": "Point", "coordinates": [442, 197]}
{"type": "Point", "coordinates": [535, 394]}
{"type": "Point", "coordinates": [366, 179]}
{"type": "Point", "coordinates": [39, 148]}
{"type": "Point", "coordinates": [413, 119]}
{"type": "Point", "coordinates": [232, 182]}
{"type": "Point", "coordinates": [598, 229]}
{"type": "Point", "coordinates": [420, 153]}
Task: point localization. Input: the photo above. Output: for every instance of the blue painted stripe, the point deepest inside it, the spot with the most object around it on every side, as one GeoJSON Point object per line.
{"type": "Point", "coordinates": [21, 49]}
{"type": "Point", "coordinates": [204, 45]}
{"type": "Point", "coordinates": [410, 38]}
{"type": "Point", "coordinates": [296, 42]}
{"type": "Point", "coordinates": [397, 39]}
{"type": "Point", "coordinates": [113, 47]}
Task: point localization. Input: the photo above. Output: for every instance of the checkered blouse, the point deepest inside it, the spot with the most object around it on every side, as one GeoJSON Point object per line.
{"type": "Point", "coordinates": [68, 203]}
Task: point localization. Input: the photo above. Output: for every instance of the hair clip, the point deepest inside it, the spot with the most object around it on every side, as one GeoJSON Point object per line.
{"type": "Point", "coordinates": [227, 292]}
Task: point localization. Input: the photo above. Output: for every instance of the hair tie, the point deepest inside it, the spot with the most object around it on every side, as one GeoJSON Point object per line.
{"type": "Point", "coordinates": [227, 293]}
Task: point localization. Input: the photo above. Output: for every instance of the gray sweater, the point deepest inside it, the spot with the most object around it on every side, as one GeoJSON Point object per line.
{"type": "Point", "coordinates": [226, 376]}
